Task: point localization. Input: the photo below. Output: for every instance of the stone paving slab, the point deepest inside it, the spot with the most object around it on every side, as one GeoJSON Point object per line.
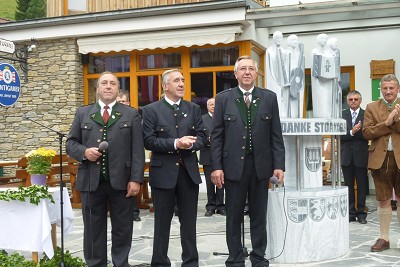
{"type": "Point", "coordinates": [211, 238]}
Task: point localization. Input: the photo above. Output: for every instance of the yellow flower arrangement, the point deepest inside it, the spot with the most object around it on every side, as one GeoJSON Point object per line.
{"type": "Point", "coordinates": [39, 160]}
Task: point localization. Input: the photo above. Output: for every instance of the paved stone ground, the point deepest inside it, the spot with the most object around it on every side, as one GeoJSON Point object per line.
{"type": "Point", "coordinates": [211, 238]}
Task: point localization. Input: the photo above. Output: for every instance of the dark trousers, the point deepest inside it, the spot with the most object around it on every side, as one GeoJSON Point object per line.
{"type": "Point", "coordinates": [186, 195]}
{"type": "Point", "coordinates": [136, 211]}
{"type": "Point", "coordinates": [236, 192]}
{"type": "Point", "coordinates": [215, 196]}
{"type": "Point", "coordinates": [94, 212]}
{"type": "Point", "coordinates": [361, 176]}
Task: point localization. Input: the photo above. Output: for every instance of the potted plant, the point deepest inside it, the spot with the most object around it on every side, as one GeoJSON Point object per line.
{"type": "Point", "coordinates": [39, 164]}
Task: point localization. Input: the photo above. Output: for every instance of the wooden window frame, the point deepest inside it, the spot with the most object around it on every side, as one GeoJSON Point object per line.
{"type": "Point", "coordinates": [245, 48]}
{"type": "Point", "coordinates": [343, 69]}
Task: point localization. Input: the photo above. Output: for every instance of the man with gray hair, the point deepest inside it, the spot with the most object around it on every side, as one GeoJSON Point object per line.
{"type": "Point", "coordinates": [354, 157]}
{"type": "Point", "coordinates": [382, 127]}
{"type": "Point", "coordinates": [215, 196]}
{"type": "Point", "coordinates": [246, 150]}
{"type": "Point", "coordinates": [172, 131]}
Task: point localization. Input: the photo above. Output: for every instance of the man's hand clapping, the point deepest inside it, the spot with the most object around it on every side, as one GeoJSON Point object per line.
{"type": "Point", "coordinates": [393, 116]}
{"type": "Point", "coordinates": [356, 128]}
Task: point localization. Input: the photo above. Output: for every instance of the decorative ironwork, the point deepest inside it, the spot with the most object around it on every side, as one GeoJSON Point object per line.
{"type": "Point", "coordinates": [21, 55]}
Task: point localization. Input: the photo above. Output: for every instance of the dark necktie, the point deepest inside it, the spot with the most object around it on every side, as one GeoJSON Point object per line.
{"type": "Point", "coordinates": [106, 115]}
{"type": "Point", "coordinates": [247, 98]}
{"type": "Point", "coordinates": [175, 106]}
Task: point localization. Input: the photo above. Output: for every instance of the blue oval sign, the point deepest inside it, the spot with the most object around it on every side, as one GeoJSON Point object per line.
{"type": "Point", "coordinates": [10, 85]}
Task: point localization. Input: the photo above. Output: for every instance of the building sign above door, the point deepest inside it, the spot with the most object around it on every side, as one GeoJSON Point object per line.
{"type": "Point", "coordinates": [6, 46]}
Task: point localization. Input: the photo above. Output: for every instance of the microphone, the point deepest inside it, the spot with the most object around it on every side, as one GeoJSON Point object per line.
{"type": "Point", "coordinates": [274, 181]}
{"type": "Point", "coordinates": [103, 146]}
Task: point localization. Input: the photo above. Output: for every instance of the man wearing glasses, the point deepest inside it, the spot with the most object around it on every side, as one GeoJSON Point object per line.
{"type": "Point", "coordinates": [246, 150]}
{"type": "Point", "coordinates": [354, 157]}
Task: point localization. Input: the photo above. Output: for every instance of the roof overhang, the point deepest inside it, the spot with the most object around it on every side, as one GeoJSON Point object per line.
{"type": "Point", "coordinates": [324, 17]}
{"type": "Point", "coordinates": [159, 39]}
{"type": "Point", "coordinates": [135, 21]}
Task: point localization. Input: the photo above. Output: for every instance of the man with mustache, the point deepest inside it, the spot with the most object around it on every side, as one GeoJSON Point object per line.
{"type": "Point", "coordinates": [382, 127]}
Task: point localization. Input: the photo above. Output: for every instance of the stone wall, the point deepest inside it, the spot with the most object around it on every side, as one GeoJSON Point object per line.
{"type": "Point", "coordinates": [51, 96]}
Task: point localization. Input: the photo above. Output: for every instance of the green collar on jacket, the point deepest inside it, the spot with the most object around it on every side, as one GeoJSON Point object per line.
{"type": "Point", "coordinates": [115, 115]}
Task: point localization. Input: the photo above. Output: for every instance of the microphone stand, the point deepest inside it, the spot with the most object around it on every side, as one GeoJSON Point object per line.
{"type": "Point", "coordinates": [60, 138]}
{"type": "Point", "coordinates": [244, 248]}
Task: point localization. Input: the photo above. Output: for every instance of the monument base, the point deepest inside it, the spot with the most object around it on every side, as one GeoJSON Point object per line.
{"type": "Point", "coordinates": [317, 224]}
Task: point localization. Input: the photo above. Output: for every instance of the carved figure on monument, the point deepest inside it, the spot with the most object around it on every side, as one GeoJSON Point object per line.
{"type": "Point", "coordinates": [296, 76]}
{"type": "Point", "coordinates": [325, 78]}
{"type": "Point", "coordinates": [278, 73]}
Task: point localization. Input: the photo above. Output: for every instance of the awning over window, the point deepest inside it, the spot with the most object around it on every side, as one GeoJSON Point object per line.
{"type": "Point", "coordinates": [160, 39]}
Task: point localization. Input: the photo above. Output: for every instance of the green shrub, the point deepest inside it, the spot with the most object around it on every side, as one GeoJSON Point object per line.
{"type": "Point", "coordinates": [17, 259]}
{"type": "Point", "coordinates": [14, 260]}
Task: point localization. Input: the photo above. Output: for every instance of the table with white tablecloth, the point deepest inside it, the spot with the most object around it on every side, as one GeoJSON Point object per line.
{"type": "Point", "coordinates": [27, 227]}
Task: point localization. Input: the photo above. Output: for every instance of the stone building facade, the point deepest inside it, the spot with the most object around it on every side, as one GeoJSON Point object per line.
{"type": "Point", "coordinates": [50, 97]}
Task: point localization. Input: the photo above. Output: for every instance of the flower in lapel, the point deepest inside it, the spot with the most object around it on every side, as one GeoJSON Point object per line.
{"type": "Point", "coordinates": [118, 114]}
{"type": "Point", "coordinates": [256, 100]}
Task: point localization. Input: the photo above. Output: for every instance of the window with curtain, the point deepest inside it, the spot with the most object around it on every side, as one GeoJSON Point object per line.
{"type": "Point", "coordinates": [92, 96]}
{"type": "Point", "coordinates": [202, 85]}
{"type": "Point", "coordinates": [158, 61]}
{"type": "Point", "coordinates": [202, 89]}
{"type": "Point", "coordinates": [113, 63]}
{"type": "Point", "coordinates": [208, 57]}
{"type": "Point", "coordinates": [148, 89]}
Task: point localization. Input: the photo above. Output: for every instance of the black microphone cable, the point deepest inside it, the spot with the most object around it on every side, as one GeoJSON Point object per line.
{"type": "Point", "coordinates": [102, 146]}
{"type": "Point", "coordinates": [286, 226]}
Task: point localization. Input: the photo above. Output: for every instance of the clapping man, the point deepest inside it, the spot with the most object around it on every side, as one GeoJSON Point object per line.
{"type": "Point", "coordinates": [382, 127]}
{"type": "Point", "coordinates": [354, 159]}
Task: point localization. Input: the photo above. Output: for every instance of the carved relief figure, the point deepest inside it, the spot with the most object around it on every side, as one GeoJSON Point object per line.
{"type": "Point", "coordinates": [278, 73]}
{"type": "Point", "coordinates": [325, 78]}
{"type": "Point", "coordinates": [296, 76]}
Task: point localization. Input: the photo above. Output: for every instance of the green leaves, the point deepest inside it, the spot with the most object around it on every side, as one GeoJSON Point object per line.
{"type": "Point", "coordinates": [34, 193]}
{"type": "Point", "coordinates": [30, 9]}
{"type": "Point", "coordinates": [17, 260]}
{"type": "Point", "coordinates": [14, 260]}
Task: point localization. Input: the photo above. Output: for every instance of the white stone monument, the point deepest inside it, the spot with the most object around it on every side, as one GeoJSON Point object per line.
{"type": "Point", "coordinates": [325, 77]}
{"type": "Point", "coordinates": [278, 73]}
{"type": "Point", "coordinates": [312, 219]}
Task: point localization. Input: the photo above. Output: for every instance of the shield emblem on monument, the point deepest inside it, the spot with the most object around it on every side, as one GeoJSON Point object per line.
{"type": "Point", "coordinates": [343, 205]}
{"type": "Point", "coordinates": [333, 207]}
{"type": "Point", "coordinates": [317, 209]}
{"type": "Point", "coordinates": [313, 158]}
{"type": "Point", "coordinates": [297, 209]}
